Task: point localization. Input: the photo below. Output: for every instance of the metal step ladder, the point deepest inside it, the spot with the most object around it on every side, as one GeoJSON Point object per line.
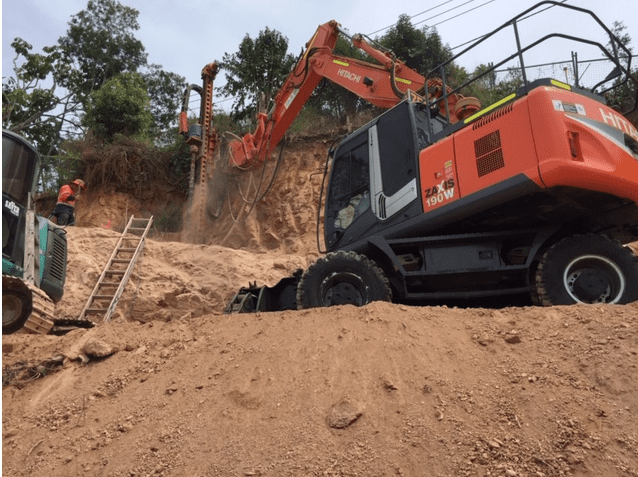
{"type": "Point", "coordinates": [110, 286]}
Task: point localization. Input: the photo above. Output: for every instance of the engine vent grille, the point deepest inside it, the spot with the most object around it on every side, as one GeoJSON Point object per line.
{"type": "Point", "coordinates": [495, 115]}
{"type": "Point", "coordinates": [489, 154]}
{"type": "Point", "coordinates": [58, 256]}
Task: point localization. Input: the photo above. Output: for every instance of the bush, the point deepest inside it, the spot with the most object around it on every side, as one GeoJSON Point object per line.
{"type": "Point", "coordinates": [120, 106]}
{"type": "Point", "coordinates": [124, 165]}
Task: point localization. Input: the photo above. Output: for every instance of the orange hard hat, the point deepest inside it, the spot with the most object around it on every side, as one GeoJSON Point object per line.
{"type": "Point", "coordinates": [79, 182]}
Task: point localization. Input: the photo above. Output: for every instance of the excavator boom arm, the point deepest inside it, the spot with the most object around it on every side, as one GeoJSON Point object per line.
{"type": "Point", "coordinates": [384, 85]}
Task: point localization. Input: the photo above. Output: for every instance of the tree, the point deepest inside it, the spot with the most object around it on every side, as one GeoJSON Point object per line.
{"type": "Point", "coordinates": [165, 93]}
{"type": "Point", "coordinates": [421, 50]}
{"type": "Point", "coordinates": [48, 93]}
{"type": "Point", "coordinates": [25, 102]}
{"type": "Point", "coordinates": [623, 97]}
{"type": "Point", "coordinates": [100, 43]}
{"type": "Point", "coordinates": [260, 66]}
{"type": "Point", "coordinates": [120, 106]}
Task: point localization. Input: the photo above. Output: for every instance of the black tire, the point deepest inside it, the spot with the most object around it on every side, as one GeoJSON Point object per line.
{"type": "Point", "coordinates": [342, 278]}
{"type": "Point", "coordinates": [16, 309]}
{"type": "Point", "coordinates": [587, 269]}
{"type": "Point", "coordinates": [536, 301]}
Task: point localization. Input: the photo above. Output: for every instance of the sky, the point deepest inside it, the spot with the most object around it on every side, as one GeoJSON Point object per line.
{"type": "Point", "coordinates": [185, 36]}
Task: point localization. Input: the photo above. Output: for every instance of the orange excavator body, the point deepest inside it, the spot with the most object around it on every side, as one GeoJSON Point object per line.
{"type": "Point", "coordinates": [437, 199]}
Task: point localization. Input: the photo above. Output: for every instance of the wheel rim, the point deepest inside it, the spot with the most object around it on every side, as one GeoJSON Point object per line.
{"type": "Point", "coordinates": [594, 279]}
{"type": "Point", "coordinates": [343, 288]}
{"type": "Point", "coordinates": [12, 308]}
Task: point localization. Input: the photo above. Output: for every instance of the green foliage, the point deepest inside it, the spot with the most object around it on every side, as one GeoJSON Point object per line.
{"type": "Point", "coordinates": [101, 44]}
{"type": "Point", "coordinates": [48, 94]}
{"type": "Point", "coordinates": [488, 89]}
{"type": "Point", "coordinates": [623, 96]}
{"type": "Point", "coordinates": [59, 169]}
{"type": "Point", "coordinates": [420, 49]}
{"type": "Point", "coordinates": [618, 29]}
{"type": "Point", "coordinates": [25, 103]}
{"type": "Point", "coordinates": [331, 98]}
{"type": "Point", "coordinates": [120, 106]}
{"type": "Point", "coordinates": [310, 121]}
{"type": "Point", "coordinates": [165, 92]}
{"type": "Point", "coordinates": [226, 122]}
{"type": "Point", "coordinates": [260, 66]}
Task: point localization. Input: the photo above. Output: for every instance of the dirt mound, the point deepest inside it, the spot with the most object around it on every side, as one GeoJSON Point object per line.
{"type": "Point", "coordinates": [378, 390]}
{"type": "Point", "coordinates": [172, 279]}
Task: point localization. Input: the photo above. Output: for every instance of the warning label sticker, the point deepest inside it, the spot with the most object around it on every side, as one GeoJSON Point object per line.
{"type": "Point", "coordinates": [569, 107]}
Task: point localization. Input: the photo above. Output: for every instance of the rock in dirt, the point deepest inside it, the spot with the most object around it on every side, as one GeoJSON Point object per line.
{"type": "Point", "coordinates": [97, 348]}
{"type": "Point", "coordinates": [344, 414]}
{"type": "Point", "coordinates": [512, 339]}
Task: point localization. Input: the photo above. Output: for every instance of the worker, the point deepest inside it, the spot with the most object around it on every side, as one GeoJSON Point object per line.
{"type": "Point", "coordinates": [65, 208]}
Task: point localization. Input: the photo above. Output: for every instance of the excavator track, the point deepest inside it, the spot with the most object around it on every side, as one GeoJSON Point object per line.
{"type": "Point", "coordinates": [41, 320]}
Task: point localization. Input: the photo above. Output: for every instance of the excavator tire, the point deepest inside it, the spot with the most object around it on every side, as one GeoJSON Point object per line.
{"type": "Point", "coordinates": [342, 278]}
{"type": "Point", "coordinates": [17, 305]}
{"type": "Point", "coordinates": [587, 269]}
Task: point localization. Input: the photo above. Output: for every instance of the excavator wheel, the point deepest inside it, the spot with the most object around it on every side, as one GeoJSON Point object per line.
{"type": "Point", "coordinates": [342, 278]}
{"type": "Point", "coordinates": [587, 269]}
{"type": "Point", "coordinates": [17, 305]}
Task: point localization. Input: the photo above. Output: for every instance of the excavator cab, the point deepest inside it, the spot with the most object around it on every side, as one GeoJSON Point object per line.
{"type": "Point", "coordinates": [20, 172]}
{"type": "Point", "coordinates": [373, 181]}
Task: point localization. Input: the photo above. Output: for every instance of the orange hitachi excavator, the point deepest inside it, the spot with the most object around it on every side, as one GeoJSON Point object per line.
{"type": "Point", "coordinates": [437, 199]}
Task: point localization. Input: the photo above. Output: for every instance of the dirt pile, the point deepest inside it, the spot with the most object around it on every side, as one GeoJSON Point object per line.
{"type": "Point", "coordinates": [172, 387]}
{"type": "Point", "coordinates": [172, 279]}
{"type": "Point", "coordinates": [380, 390]}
